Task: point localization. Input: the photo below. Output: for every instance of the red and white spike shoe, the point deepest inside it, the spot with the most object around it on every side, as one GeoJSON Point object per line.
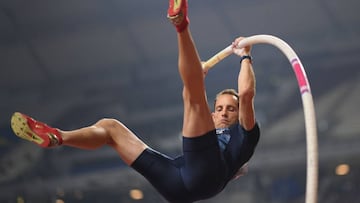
{"type": "Point", "coordinates": [29, 129]}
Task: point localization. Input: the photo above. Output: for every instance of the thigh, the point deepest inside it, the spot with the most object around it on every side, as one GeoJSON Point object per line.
{"type": "Point", "coordinates": [163, 173]}
{"type": "Point", "coordinates": [122, 139]}
{"type": "Point", "coordinates": [204, 169]}
{"type": "Point", "coordinates": [197, 115]}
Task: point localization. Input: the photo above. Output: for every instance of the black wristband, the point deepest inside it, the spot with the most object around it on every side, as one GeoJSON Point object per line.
{"type": "Point", "coordinates": [245, 57]}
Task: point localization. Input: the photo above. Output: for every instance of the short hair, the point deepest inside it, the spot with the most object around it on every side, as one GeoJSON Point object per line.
{"type": "Point", "coordinates": [232, 92]}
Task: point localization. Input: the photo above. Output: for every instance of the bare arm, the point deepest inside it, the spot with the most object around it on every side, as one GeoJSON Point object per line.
{"type": "Point", "coordinates": [246, 88]}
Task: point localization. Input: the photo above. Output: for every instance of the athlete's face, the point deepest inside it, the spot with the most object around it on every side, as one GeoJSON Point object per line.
{"type": "Point", "coordinates": [226, 111]}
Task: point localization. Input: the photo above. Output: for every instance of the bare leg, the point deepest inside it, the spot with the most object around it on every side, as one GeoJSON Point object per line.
{"type": "Point", "coordinates": [197, 116]}
{"type": "Point", "coordinates": [106, 132]}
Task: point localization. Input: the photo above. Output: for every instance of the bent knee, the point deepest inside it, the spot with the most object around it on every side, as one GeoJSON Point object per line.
{"type": "Point", "coordinates": [111, 126]}
{"type": "Point", "coordinates": [108, 123]}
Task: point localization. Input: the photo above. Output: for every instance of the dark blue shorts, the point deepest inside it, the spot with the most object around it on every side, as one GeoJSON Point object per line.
{"type": "Point", "coordinates": [202, 171]}
{"type": "Point", "coordinates": [198, 174]}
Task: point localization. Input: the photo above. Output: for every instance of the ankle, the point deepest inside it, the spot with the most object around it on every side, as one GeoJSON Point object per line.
{"type": "Point", "coordinates": [177, 14]}
{"type": "Point", "coordinates": [180, 22]}
{"type": "Point", "coordinates": [183, 25]}
{"type": "Point", "coordinates": [56, 138]}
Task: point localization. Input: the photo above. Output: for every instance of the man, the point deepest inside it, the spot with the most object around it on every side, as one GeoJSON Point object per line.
{"type": "Point", "coordinates": [215, 145]}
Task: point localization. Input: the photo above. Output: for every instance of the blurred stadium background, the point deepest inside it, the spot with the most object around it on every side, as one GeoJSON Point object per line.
{"type": "Point", "coordinates": [70, 63]}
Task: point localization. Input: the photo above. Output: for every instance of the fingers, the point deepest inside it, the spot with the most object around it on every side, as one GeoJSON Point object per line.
{"type": "Point", "coordinates": [237, 40]}
{"type": "Point", "coordinates": [240, 51]}
{"type": "Point", "coordinates": [205, 71]}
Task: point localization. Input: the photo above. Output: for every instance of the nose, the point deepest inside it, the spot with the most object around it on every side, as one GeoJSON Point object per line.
{"type": "Point", "coordinates": [224, 113]}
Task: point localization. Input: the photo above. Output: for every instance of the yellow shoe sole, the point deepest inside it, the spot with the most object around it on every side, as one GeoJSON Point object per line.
{"type": "Point", "coordinates": [21, 128]}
